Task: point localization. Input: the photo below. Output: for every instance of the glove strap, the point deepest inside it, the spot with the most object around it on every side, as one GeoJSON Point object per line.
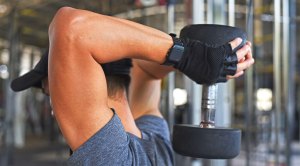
{"type": "Point", "coordinates": [175, 53]}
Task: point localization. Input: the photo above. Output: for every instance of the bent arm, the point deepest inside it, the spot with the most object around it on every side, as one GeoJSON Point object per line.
{"type": "Point", "coordinates": [79, 41]}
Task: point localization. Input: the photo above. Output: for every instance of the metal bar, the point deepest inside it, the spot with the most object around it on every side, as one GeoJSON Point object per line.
{"type": "Point", "coordinates": [293, 57]}
{"type": "Point", "coordinates": [285, 76]}
{"type": "Point", "coordinates": [291, 103]}
{"type": "Point", "coordinates": [205, 116]}
{"type": "Point", "coordinates": [249, 86]}
{"type": "Point", "coordinates": [208, 108]}
{"type": "Point", "coordinates": [198, 12]}
{"type": "Point", "coordinates": [289, 54]}
{"type": "Point", "coordinates": [231, 12]}
{"type": "Point", "coordinates": [171, 76]}
{"type": "Point", "coordinates": [231, 83]}
{"type": "Point", "coordinates": [277, 75]}
{"type": "Point", "coordinates": [219, 16]}
{"type": "Point", "coordinates": [258, 114]}
{"type": "Point", "coordinates": [209, 11]}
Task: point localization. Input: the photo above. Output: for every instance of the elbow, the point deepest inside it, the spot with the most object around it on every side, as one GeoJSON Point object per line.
{"type": "Point", "coordinates": [65, 24]}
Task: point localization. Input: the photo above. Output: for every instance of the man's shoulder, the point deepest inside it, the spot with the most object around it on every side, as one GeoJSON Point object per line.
{"type": "Point", "coordinates": [112, 145]}
{"type": "Point", "coordinates": [153, 125]}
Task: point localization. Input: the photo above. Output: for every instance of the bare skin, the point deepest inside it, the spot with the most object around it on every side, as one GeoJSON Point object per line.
{"type": "Point", "coordinates": [121, 106]}
{"type": "Point", "coordinates": [119, 103]}
{"type": "Point", "coordinates": [79, 41]}
{"type": "Point", "coordinates": [145, 88]}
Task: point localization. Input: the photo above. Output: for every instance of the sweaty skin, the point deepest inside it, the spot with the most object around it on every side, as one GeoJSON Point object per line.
{"type": "Point", "coordinates": [79, 41]}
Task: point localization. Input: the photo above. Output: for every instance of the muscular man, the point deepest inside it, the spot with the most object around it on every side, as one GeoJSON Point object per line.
{"type": "Point", "coordinates": [79, 41]}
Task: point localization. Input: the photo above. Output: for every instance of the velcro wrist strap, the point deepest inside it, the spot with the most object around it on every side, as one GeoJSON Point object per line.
{"type": "Point", "coordinates": [175, 53]}
{"type": "Point", "coordinates": [230, 70]}
{"type": "Point", "coordinates": [231, 59]}
{"type": "Point", "coordinates": [222, 78]}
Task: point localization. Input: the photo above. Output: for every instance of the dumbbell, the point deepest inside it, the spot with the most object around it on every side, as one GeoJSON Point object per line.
{"type": "Point", "coordinates": [206, 140]}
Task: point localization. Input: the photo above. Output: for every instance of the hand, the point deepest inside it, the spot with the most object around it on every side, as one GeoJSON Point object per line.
{"type": "Point", "coordinates": [209, 64]}
{"type": "Point", "coordinates": [244, 55]}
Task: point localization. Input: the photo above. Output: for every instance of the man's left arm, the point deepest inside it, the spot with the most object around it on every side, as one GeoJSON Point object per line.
{"type": "Point", "coordinates": [145, 87]}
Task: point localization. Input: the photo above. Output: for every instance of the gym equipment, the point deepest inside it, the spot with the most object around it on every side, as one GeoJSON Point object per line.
{"type": "Point", "coordinates": [207, 140]}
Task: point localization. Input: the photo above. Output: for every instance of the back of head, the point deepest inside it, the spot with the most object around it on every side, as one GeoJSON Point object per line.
{"type": "Point", "coordinates": [117, 75]}
{"type": "Point", "coordinates": [34, 77]}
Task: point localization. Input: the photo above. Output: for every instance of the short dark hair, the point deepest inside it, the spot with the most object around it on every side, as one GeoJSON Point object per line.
{"type": "Point", "coordinates": [116, 84]}
{"type": "Point", "coordinates": [117, 75]}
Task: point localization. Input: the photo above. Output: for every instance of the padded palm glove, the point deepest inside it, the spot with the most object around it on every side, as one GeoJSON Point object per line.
{"type": "Point", "coordinates": [203, 63]}
{"type": "Point", "coordinates": [203, 52]}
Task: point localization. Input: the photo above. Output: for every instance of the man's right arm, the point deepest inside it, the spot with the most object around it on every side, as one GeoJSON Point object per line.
{"type": "Point", "coordinates": [79, 41]}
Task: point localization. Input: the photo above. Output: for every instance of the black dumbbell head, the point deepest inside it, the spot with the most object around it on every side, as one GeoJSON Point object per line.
{"type": "Point", "coordinates": [208, 143]}
{"type": "Point", "coordinates": [213, 34]}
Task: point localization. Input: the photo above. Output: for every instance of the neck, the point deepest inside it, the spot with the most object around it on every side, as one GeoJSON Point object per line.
{"type": "Point", "coordinates": [120, 104]}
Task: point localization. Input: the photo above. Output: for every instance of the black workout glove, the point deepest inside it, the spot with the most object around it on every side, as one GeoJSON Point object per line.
{"type": "Point", "coordinates": [203, 63]}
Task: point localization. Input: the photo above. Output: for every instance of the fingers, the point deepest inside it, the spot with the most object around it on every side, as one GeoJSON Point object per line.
{"type": "Point", "coordinates": [236, 42]}
{"type": "Point", "coordinates": [249, 43]}
{"type": "Point", "coordinates": [241, 67]}
{"type": "Point", "coordinates": [243, 52]}
{"type": "Point", "coordinates": [245, 57]}
{"type": "Point", "coordinates": [245, 60]}
{"type": "Point", "coordinates": [236, 75]}
{"type": "Point", "coordinates": [244, 65]}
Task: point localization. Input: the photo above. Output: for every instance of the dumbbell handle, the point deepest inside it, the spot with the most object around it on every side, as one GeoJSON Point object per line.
{"type": "Point", "coordinates": [208, 106]}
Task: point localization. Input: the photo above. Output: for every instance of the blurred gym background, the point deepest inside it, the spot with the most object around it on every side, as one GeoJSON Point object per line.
{"type": "Point", "coordinates": [264, 103]}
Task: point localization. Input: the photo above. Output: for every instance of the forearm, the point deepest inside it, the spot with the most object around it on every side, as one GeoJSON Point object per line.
{"type": "Point", "coordinates": [153, 70]}
{"type": "Point", "coordinates": [144, 93]}
{"type": "Point", "coordinates": [145, 87]}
